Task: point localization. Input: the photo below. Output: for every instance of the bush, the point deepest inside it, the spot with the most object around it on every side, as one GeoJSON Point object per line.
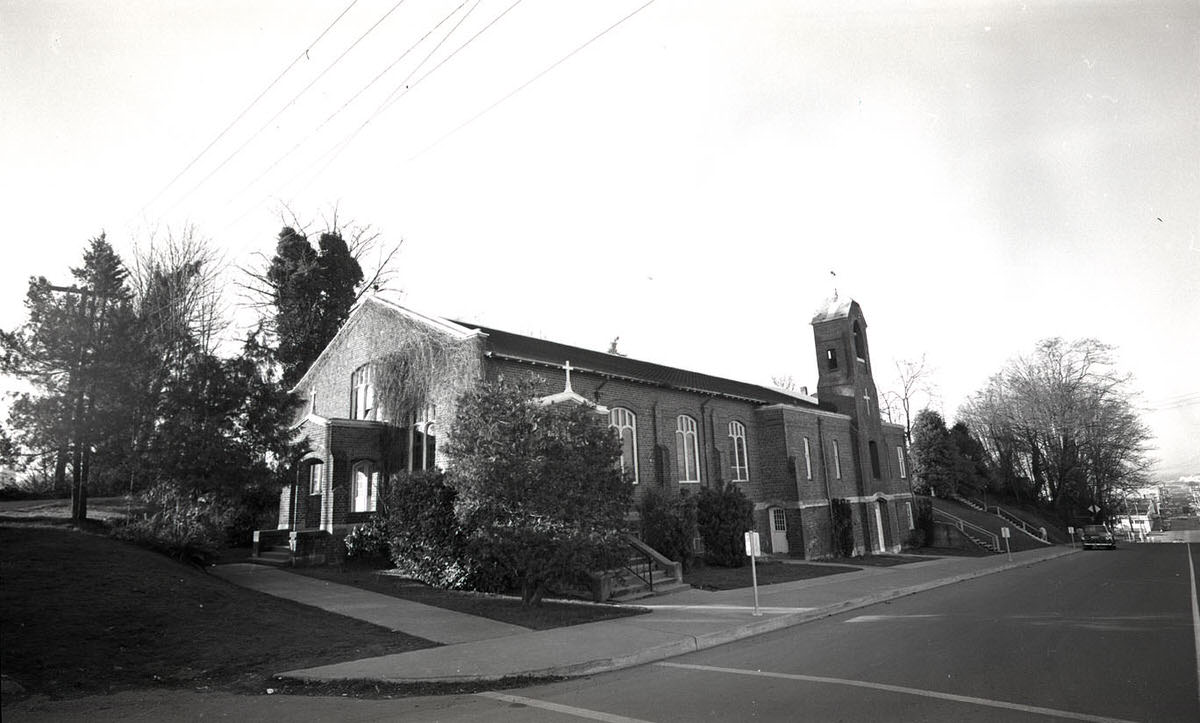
{"type": "Point", "coordinates": [422, 532]}
{"type": "Point", "coordinates": [368, 543]}
{"type": "Point", "coordinates": [669, 524]}
{"type": "Point", "coordinates": [189, 530]}
{"type": "Point", "coordinates": [723, 515]}
{"type": "Point", "coordinates": [539, 495]}
{"type": "Point", "coordinates": [923, 512]}
{"type": "Point", "coordinates": [843, 527]}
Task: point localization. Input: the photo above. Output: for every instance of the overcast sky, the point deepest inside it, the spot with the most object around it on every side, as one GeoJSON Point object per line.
{"type": "Point", "coordinates": [978, 175]}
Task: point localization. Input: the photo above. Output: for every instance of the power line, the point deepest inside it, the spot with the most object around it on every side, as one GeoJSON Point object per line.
{"type": "Point", "coordinates": [403, 88]}
{"type": "Point", "coordinates": [289, 104]}
{"type": "Point", "coordinates": [272, 84]}
{"type": "Point", "coordinates": [532, 80]}
{"type": "Point", "coordinates": [344, 105]}
{"type": "Point", "coordinates": [339, 147]}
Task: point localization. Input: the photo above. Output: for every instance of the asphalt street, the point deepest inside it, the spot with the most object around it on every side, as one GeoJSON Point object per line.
{"type": "Point", "coordinates": [1100, 636]}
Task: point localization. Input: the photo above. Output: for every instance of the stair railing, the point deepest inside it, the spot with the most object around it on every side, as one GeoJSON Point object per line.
{"type": "Point", "coordinates": [639, 559]}
{"type": "Point", "coordinates": [963, 526]}
{"type": "Point", "coordinates": [1020, 524]}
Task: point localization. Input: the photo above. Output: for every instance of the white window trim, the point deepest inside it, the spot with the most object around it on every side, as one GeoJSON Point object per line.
{"type": "Point", "coordinates": [620, 419]}
{"type": "Point", "coordinates": [363, 393]}
{"type": "Point", "coordinates": [737, 432]}
{"type": "Point", "coordinates": [807, 459]}
{"type": "Point", "coordinates": [372, 481]}
{"type": "Point", "coordinates": [837, 460]}
{"type": "Point", "coordinates": [900, 460]}
{"type": "Point", "coordinates": [908, 508]}
{"type": "Point", "coordinates": [318, 479]}
{"type": "Point", "coordinates": [685, 429]}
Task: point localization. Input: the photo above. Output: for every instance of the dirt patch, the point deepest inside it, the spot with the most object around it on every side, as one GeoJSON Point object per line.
{"type": "Point", "coordinates": [85, 614]}
{"type": "Point", "coordinates": [708, 577]}
{"type": "Point", "coordinates": [503, 608]}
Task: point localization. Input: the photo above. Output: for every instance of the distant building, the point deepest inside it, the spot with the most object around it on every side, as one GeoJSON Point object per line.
{"type": "Point", "coordinates": [792, 454]}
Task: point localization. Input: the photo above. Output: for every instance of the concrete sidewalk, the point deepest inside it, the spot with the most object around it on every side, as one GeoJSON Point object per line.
{"type": "Point", "coordinates": [679, 623]}
{"type": "Point", "coordinates": [423, 621]}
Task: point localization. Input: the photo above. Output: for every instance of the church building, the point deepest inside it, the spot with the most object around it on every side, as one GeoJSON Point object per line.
{"type": "Point", "coordinates": [825, 473]}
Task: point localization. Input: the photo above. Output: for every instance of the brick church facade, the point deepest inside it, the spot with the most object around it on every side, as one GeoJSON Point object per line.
{"type": "Point", "coordinates": [792, 454]}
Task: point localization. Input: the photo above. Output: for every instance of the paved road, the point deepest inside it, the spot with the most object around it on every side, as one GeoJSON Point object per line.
{"type": "Point", "coordinates": [1095, 636]}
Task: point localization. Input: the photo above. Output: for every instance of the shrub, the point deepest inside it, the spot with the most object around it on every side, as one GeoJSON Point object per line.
{"type": "Point", "coordinates": [422, 532]}
{"type": "Point", "coordinates": [669, 524]}
{"type": "Point", "coordinates": [188, 529]}
{"type": "Point", "coordinates": [368, 542]}
{"type": "Point", "coordinates": [539, 494]}
{"type": "Point", "coordinates": [843, 527]}
{"type": "Point", "coordinates": [723, 515]}
{"type": "Point", "coordinates": [923, 512]}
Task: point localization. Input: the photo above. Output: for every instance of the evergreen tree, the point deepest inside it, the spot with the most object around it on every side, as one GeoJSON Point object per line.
{"type": "Point", "coordinates": [73, 350]}
{"type": "Point", "coordinates": [538, 489]}
{"type": "Point", "coordinates": [312, 291]}
{"type": "Point", "coordinates": [932, 455]}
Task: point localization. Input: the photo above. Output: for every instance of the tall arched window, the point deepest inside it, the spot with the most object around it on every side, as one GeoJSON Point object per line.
{"type": "Point", "coordinates": [741, 464]}
{"type": "Point", "coordinates": [362, 401]}
{"type": "Point", "coordinates": [364, 483]}
{"type": "Point", "coordinates": [625, 422]}
{"type": "Point", "coordinates": [687, 451]}
{"type": "Point", "coordinates": [316, 473]}
{"type": "Point", "coordinates": [873, 449]}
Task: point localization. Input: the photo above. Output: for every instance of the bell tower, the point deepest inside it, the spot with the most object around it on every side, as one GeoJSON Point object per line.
{"type": "Point", "coordinates": [845, 384]}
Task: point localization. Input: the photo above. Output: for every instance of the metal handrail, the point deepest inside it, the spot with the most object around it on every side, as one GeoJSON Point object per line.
{"type": "Point", "coordinates": [961, 523]}
{"type": "Point", "coordinates": [1010, 517]}
{"type": "Point", "coordinates": [649, 562]}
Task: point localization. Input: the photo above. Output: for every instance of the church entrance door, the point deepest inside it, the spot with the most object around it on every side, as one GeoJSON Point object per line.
{"type": "Point", "coordinates": [779, 543]}
{"type": "Point", "coordinates": [879, 525]}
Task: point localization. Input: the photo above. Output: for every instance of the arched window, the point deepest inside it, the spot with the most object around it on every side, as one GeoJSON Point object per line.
{"type": "Point", "coordinates": [422, 443]}
{"type": "Point", "coordinates": [741, 465]}
{"type": "Point", "coordinates": [625, 422]}
{"type": "Point", "coordinates": [362, 401]}
{"type": "Point", "coordinates": [687, 452]}
{"type": "Point", "coordinates": [316, 473]}
{"type": "Point", "coordinates": [364, 483]}
{"type": "Point", "coordinates": [874, 451]}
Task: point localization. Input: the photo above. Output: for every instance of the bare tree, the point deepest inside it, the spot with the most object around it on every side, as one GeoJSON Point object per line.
{"type": "Point", "coordinates": [177, 281]}
{"type": "Point", "coordinates": [1061, 423]}
{"type": "Point", "coordinates": [914, 383]}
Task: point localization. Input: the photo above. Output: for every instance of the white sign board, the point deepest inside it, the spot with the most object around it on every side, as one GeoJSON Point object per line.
{"type": "Point", "coordinates": [1004, 532]}
{"type": "Point", "coordinates": [1070, 530]}
{"type": "Point", "coordinates": [752, 545]}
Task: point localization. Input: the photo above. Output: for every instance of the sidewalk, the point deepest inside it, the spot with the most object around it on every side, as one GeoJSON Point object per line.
{"type": "Point", "coordinates": [424, 621]}
{"type": "Point", "coordinates": [679, 623]}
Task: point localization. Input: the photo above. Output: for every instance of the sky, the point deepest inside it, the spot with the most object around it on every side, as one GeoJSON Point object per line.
{"type": "Point", "coordinates": [692, 177]}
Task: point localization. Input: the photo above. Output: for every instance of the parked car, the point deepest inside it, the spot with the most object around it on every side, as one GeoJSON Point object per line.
{"type": "Point", "coordinates": [1098, 536]}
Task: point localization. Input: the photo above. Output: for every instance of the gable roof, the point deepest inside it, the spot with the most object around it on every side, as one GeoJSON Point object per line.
{"type": "Point", "coordinates": [517, 347]}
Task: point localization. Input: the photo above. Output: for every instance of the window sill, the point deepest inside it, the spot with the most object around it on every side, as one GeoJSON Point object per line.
{"type": "Point", "coordinates": [688, 481]}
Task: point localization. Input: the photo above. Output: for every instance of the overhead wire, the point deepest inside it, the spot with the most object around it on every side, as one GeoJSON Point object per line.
{"type": "Point", "coordinates": [346, 104]}
{"type": "Point", "coordinates": [289, 104]}
{"type": "Point", "coordinates": [532, 80]}
{"type": "Point", "coordinates": [303, 54]}
{"type": "Point", "coordinates": [401, 90]}
{"type": "Point", "coordinates": [404, 84]}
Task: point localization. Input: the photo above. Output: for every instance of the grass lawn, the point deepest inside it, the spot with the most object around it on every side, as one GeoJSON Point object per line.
{"type": "Point", "coordinates": [82, 613]}
{"type": "Point", "coordinates": [709, 577]}
{"type": "Point", "coordinates": [551, 614]}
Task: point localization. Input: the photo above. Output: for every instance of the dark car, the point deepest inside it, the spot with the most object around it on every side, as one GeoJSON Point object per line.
{"type": "Point", "coordinates": [1098, 536]}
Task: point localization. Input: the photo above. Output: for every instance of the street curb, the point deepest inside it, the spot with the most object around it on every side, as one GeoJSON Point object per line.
{"type": "Point", "coordinates": [692, 643]}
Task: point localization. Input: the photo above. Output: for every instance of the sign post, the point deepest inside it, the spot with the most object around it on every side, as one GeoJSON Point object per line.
{"type": "Point", "coordinates": [1005, 533]}
{"type": "Point", "coordinates": [753, 550]}
{"type": "Point", "coordinates": [1071, 532]}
